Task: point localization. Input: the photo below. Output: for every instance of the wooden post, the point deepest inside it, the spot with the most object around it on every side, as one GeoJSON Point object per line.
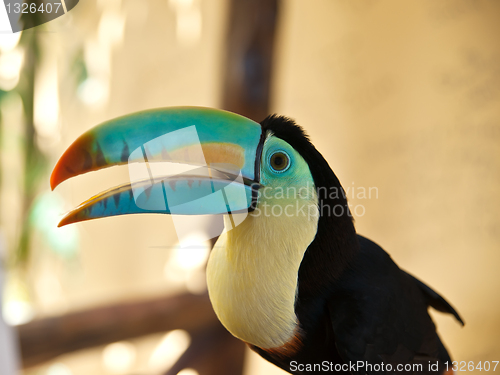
{"type": "Point", "coordinates": [249, 56]}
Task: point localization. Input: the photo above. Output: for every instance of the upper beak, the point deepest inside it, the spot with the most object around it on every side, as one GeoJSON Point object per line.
{"type": "Point", "coordinates": [181, 160]}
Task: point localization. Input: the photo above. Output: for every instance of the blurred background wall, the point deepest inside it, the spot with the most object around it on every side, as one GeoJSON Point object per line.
{"type": "Point", "coordinates": [400, 97]}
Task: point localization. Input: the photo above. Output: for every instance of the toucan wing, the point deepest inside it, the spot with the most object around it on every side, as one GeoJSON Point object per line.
{"type": "Point", "coordinates": [379, 317]}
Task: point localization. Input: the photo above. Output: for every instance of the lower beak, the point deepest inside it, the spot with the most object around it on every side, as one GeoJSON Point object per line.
{"type": "Point", "coordinates": [181, 160]}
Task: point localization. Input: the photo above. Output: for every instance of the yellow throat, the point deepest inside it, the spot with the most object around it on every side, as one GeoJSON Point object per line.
{"type": "Point", "coordinates": [253, 269]}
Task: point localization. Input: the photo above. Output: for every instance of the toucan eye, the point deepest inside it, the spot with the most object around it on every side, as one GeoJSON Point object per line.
{"type": "Point", "coordinates": [279, 161]}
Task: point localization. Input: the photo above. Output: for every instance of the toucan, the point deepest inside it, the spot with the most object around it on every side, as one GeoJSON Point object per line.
{"type": "Point", "coordinates": [291, 278]}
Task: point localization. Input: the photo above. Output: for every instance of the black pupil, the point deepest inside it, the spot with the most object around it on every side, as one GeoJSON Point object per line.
{"type": "Point", "coordinates": [279, 161]}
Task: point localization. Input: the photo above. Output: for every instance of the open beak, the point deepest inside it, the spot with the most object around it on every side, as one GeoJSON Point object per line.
{"type": "Point", "coordinates": [181, 160]}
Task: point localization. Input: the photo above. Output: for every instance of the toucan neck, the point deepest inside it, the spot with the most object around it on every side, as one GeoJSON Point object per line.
{"type": "Point", "coordinates": [333, 249]}
{"type": "Point", "coordinates": [254, 267]}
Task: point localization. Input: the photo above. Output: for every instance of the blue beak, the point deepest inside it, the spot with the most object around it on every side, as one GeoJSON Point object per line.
{"type": "Point", "coordinates": [182, 160]}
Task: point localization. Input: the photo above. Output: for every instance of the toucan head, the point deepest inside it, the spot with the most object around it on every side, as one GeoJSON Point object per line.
{"type": "Point", "coordinates": [179, 157]}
